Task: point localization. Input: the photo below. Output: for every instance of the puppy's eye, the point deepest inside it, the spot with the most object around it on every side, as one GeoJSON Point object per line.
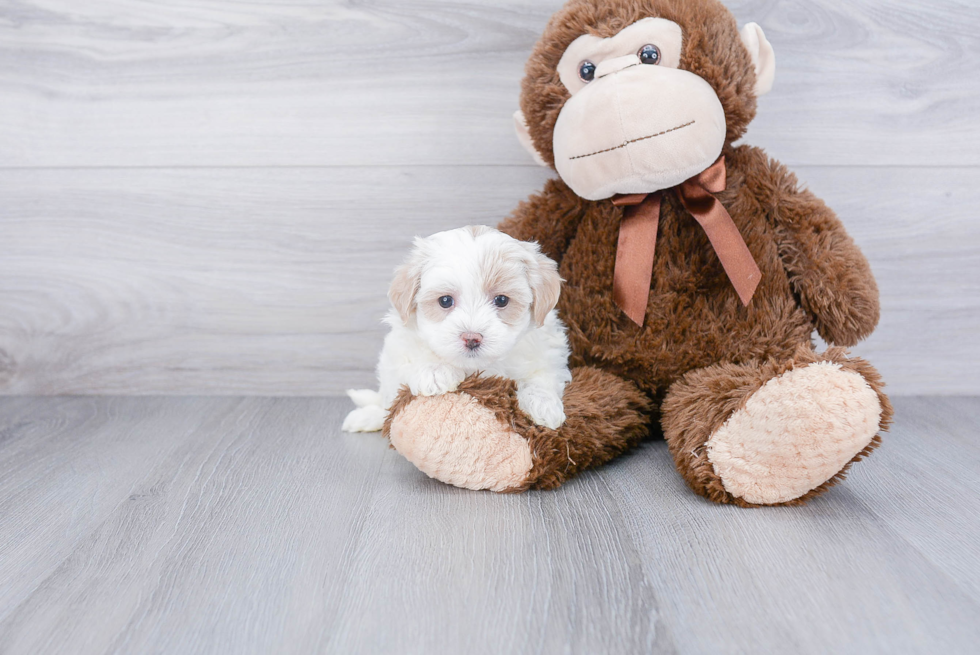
{"type": "Point", "coordinates": [446, 302]}
{"type": "Point", "coordinates": [586, 71]}
{"type": "Point", "coordinates": [501, 301]}
{"type": "Point", "coordinates": [649, 54]}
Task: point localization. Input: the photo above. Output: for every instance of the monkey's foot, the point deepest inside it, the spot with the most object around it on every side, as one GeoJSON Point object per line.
{"type": "Point", "coordinates": [478, 438]}
{"type": "Point", "coordinates": [455, 439]}
{"type": "Point", "coordinates": [790, 430]}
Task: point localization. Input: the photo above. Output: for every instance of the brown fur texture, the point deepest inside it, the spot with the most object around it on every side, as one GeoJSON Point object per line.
{"type": "Point", "coordinates": [813, 277]}
{"type": "Point", "coordinates": [700, 353]}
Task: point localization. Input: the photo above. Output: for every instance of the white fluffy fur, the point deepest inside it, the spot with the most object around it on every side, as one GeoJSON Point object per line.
{"type": "Point", "coordinates": [431, 357]}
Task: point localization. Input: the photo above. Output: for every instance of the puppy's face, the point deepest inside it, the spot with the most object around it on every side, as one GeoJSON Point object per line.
{"type": "Point", "coordinates": [473, 292]}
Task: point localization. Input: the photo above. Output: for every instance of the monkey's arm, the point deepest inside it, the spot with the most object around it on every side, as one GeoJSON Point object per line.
{"type": "Point", "coordinates": [825, 266]}
{"type": "Point", "coordinates": [551, 218]}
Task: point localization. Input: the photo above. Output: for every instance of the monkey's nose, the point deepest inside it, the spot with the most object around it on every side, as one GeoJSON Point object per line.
{"type": "Point", "coordinates": [614, 65]}
{"type": "Point", "coordinates": [472, 339]}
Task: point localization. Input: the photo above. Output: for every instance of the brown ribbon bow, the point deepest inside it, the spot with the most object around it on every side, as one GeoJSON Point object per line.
{"type": "Point", "coordinates": [638, 240]}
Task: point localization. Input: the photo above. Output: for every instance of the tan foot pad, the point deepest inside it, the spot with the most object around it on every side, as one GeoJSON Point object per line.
{"type": "Point", "coordinates": [795, 433]}
{"type": "Point", "coordinates": [455, 439]}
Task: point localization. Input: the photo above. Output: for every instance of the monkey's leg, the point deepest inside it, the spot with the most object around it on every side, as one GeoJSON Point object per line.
{"type": "Point", "coordinates": [777, 432]}
{"type": "Point", "coordinates": [478, 438]}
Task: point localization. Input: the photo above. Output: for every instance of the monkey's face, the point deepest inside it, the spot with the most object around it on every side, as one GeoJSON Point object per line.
{"type": "Point", "coordinates": [640, 108]}
{"type": "Point", "coordinates": [635, 122]}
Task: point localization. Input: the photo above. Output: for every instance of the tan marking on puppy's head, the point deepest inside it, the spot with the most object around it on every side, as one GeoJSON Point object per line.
{"type": "Point", "coordinates": [428, 304]}
{"type": "Point", "coordinates": [543, 278]}
{"type": "Point", "coordinates": [504, 274]}
{"type": "Point", "coordinates": [478, 230]}
{"type": "Point", "coordinates": [405, 285]}
{"type": "Point", "coordinates": [545, 285]}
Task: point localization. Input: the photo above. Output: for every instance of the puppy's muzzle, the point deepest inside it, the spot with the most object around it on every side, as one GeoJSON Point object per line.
{"type": "Point", "coordinates": [472, 340]}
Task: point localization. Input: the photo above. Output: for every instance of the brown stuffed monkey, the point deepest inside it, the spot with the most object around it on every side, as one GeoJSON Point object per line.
{"type": "Point", "coordinates": [695, 275]}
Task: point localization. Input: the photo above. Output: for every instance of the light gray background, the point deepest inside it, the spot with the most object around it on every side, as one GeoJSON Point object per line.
{"type": "Point", "coordinates": [208, 197]}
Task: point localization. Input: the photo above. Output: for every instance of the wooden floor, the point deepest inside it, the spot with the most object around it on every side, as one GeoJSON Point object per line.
{"type": "Point", "coordinates": [205, 525]}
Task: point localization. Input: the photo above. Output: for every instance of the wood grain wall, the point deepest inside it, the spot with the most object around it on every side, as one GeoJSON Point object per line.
{"type": "Point", "coordinates": [209, 196]}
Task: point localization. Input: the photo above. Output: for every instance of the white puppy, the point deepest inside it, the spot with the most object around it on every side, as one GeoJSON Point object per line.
{"type": "Point", "coordinates": [471, 300]}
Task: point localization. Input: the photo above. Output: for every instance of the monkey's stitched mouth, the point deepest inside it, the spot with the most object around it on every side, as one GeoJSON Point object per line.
{"type": "Point", "coordinates": [626, 143]}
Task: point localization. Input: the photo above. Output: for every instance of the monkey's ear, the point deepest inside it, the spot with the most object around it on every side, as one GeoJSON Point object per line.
{"type": "Point", "coordinates": [762, 56]}
{"type": "Point", "coordinates": [524, 136]}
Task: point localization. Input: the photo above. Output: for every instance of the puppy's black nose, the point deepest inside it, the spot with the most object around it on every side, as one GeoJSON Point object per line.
{"type": "Point", "coordinates": [472, 339]}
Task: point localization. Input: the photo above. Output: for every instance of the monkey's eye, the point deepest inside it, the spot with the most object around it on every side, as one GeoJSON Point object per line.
{"type": "Point", "coordinates": [446, 302]}
{"type": "Point", "coordinates": [586, 71]}
{"type": "Point", "coordinates": [649, 54]}
{"type": "Point", "coordinates": [501, 301]}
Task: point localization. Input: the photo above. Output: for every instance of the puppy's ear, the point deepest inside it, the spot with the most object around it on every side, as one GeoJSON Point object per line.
{"type": "Point", "coordinates": [542, 275]}
{"type": "Point", "coordinates": [405, 284]}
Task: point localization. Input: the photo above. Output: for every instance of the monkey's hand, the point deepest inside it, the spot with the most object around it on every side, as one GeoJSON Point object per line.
{"type": "Point", "coordinates": [826, 268]}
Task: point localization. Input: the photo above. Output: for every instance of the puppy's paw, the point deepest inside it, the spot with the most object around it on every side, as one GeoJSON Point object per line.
{"type": "Point", "coordinates": [435, 379]}
{"type": "Point", "coordinates": [365, 419]}
{"type": "Point", "coordinates": [364, 397]}
{"type": "Point", "coordinates": [543, 406]}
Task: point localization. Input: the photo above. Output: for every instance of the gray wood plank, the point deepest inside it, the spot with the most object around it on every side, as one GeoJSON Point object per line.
{"type": "Point", "coordinates": [274, 533]}
{"type": "Point", "coordinates": [464, 572]}
{"type": "Point", "coordinates": [396, 82]}
{"type": "Point", "coordinates": [68, 464]}
{"type": "Point", "coordinates": [234, 543]}
{"type": "Point", "coordinates": [258, 527]}
{"type": "Point", "coordinates": [273, 281]}
{"type": "Point", "coordinates": [922, 486]}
